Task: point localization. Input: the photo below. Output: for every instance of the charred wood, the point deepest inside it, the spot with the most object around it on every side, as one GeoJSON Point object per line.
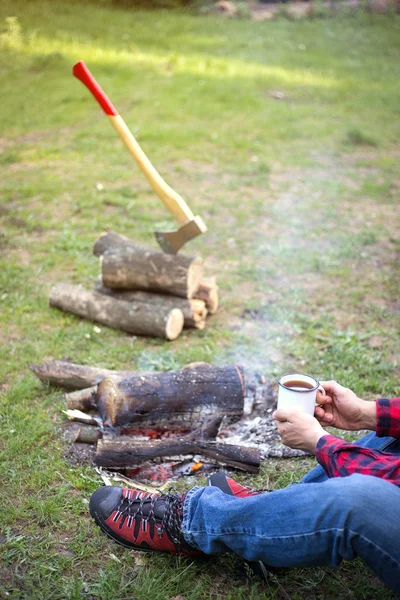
{"type": "Point", "coordinates": [175, 397]}
{"type": "Point", "coordinates": [126, 453]}
{"type": "Point", "coordinates": [63, 373]}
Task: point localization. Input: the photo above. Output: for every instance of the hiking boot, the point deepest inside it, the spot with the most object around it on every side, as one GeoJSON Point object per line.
{"type": "Point", "coordinates": [140, 520]}
{"type": "Point", "coordinates": [230, 486]}
{"type": "Point", "coordinates": [253, 568]}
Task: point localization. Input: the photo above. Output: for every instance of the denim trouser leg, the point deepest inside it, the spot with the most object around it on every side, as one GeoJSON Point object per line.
{"type": "Point", "coordinates": [367, 441]}
{"type": "Point", "coordinates": [303, 525]}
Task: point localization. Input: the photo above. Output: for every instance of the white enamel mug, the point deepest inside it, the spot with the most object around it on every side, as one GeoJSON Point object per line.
{"type": "Point", "coordinates": [300, 398]}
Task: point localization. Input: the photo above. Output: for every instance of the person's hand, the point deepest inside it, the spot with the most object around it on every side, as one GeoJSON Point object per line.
{"type": "Point", "coordinates": [343, 409]}
{"type": "Point", "coordinates": [298, 430]}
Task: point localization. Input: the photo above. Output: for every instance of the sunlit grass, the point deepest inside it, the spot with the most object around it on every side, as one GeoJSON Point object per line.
{"type": "Point", "coordinates": [266, 129]}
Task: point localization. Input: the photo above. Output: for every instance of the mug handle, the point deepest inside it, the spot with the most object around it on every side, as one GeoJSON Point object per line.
{"type": "Point", "coordinates": [321, 389]}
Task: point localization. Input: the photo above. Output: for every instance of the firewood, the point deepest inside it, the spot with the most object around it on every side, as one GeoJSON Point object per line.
{"type": "Point", "coordinates": [134, 267]}
{"type": "Point", "coordinates": [81, 417]}
{"type": "Point", "coordinates": [174, 398]}
{"type": "Point", "coordinates": [63, 373]}
{"type": "Point", "coordinates": [194, 310]}
{"type": "Point", "coordinates": [110, 239]}
{"type": "Point", "coordinates": [82, 399]}
{"type": "Point", "coordinates": [136, 318]}
{"type": "Point", "coordinates": [83, 434]}
{"type": "Point", "coordinates": [208, 291]}
{"type": "Point", "coordinates": [87, 434]}
{"type": "Point", "coordinates": [125, 453]}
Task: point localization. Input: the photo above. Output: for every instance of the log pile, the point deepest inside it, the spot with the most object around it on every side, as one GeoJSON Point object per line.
{"type": "Point", "coordinates": [142, 291]}
{"type": "Point", "coordinates": [138, 420]}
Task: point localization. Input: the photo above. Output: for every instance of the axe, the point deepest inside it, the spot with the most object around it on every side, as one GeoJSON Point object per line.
{"type": "Point", "coordinates": [191, 226]}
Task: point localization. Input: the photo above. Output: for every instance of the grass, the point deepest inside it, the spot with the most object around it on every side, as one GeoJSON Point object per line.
{"type": "Point", "coordinates": [300, 193]}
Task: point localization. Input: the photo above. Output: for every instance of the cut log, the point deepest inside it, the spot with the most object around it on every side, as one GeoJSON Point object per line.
{"type": "Point", "coordinates": [82, 399]}
{"type": "Point", "coordinates": [83, 434]}
{"type": "Point", "coordinates": [174, 398]}
{"type": "Point", "coordinates": [194, 310]}
{"type": "Point", "coordinates": [109, 240]}
{"type": "Point", "coordinates": [136, 318]}
{"type": "Point", "coordinates": [208, 291]}
{"type": "Point", "coordinates": [63, 373]}
{"type": "Point", "coordinates": [136, 268]}
{"type": "Point", "coordinates": [127, 453]}
{"type": "Point", "coordinates": [87, 434]}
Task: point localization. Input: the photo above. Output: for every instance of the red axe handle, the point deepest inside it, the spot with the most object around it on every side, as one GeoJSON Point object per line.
{"type": "Point", "coordinates": [82, 73]}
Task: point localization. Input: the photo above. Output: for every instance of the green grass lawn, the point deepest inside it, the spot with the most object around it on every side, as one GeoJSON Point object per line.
{"type": "Point", "coordinates": [300, 193]}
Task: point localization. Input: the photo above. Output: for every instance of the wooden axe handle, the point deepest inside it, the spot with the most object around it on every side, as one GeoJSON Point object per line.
{"type": "Point", "coordinates": [173, 201]}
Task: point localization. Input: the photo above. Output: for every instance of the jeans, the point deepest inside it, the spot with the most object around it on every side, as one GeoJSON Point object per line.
{"type": "Point", "coordinates": [318, 522]}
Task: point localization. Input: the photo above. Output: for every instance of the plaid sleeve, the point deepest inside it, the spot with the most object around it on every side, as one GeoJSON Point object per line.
{"type": "Point", "coordinates": [388, 417]}
{"type": "Point", "coordinates": [340, 459]}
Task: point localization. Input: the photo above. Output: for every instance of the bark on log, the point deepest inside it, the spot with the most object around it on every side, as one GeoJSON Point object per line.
{"type": "Point", "coordinates": [136, 318]}
{"type": "Point", "coordinates": [194, 310]}
{"type": "Point", "coordinates": [82, 399]}
{"type": "Point", "coordinates": [63, 373]}
{"type": "Point", "coordinates": [83, 434]}
{"type": "Point", "coordinates": [109, 240]}
{"type": "Point", "coordinates": [126, 453]}
{"type": "Point", "coordinates": [208, 291]}
{"type": "Point", "coordinates": [174, 398]}
{"type": "Point", "coordinates": [133, 267]}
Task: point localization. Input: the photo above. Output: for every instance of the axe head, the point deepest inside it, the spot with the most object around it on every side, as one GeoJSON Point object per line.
{"type": "Point", "coordinates": [172, 241]}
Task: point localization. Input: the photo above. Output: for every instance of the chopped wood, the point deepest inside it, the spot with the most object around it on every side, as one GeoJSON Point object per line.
{"type": "Point", "coordinates": [87, 434]}
{"type": "Point", "coordinates": [194, 310]}
{"type": "Point", "coordinates": [81, 433]}
{"type": "Point", "coordinates": [208, 291]}
{"type": "Point", "coordinates": [63, 373]}
{"type": "Point", "coordinates": [82, 399]}
{"type": "Point", "coordinates": [126, 453]}
{"type": "Point", "coordinates": [174, 398]}
{"type": "Point", "coordinates": [78, 415]}
{"type": "Point", "coordinates": [136, 318]}
{"type": "Point", "coordinates": [109, 240]}
{"type": "Point", "coordinates": [137, 268]}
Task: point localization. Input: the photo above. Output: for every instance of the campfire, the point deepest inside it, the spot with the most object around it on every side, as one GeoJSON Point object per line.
{"type": "Point", "coordinates": [155, 426]}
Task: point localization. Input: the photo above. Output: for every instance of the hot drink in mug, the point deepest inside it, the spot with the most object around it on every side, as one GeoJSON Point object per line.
{"type": "Point", "coordinates": [298, 392]}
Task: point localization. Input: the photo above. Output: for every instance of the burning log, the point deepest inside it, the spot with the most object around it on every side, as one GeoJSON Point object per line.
{"type": "Point", "coordinates": [136, 318]}
{"type": "Point", "coordinates": [63, 373]}
{"type": "Point", "coordinates": [174, 398]}
{"type": "Point", "coordinates": [194, 310]}
{"type": "Point", "coordinates": [127, 453]}
{"type": "Point", "coordinates": [208, 431]}
{"type": "Point", "coordinates": [208, 291]}
{"type": "Point", "coordinates": [136, 268]}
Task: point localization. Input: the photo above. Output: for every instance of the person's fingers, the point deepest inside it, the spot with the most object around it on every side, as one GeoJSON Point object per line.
{"type": "Point", "coordinates": [322, 416]}
{"type": "Point", "coordinates": [281, 415]}
{"type": "Point", "coordinates": [323, 399]}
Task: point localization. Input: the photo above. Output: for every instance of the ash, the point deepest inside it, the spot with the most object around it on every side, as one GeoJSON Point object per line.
{"type": "Point", "coordinates": [257, 428]}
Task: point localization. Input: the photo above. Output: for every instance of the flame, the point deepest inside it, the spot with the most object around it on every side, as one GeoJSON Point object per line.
{"type": "Point", "coordinates": [196, 466]}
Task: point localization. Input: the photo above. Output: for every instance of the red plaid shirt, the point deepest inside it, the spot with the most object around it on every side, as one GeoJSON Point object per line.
{"type": "Point", "coordinates": [340, 458]}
